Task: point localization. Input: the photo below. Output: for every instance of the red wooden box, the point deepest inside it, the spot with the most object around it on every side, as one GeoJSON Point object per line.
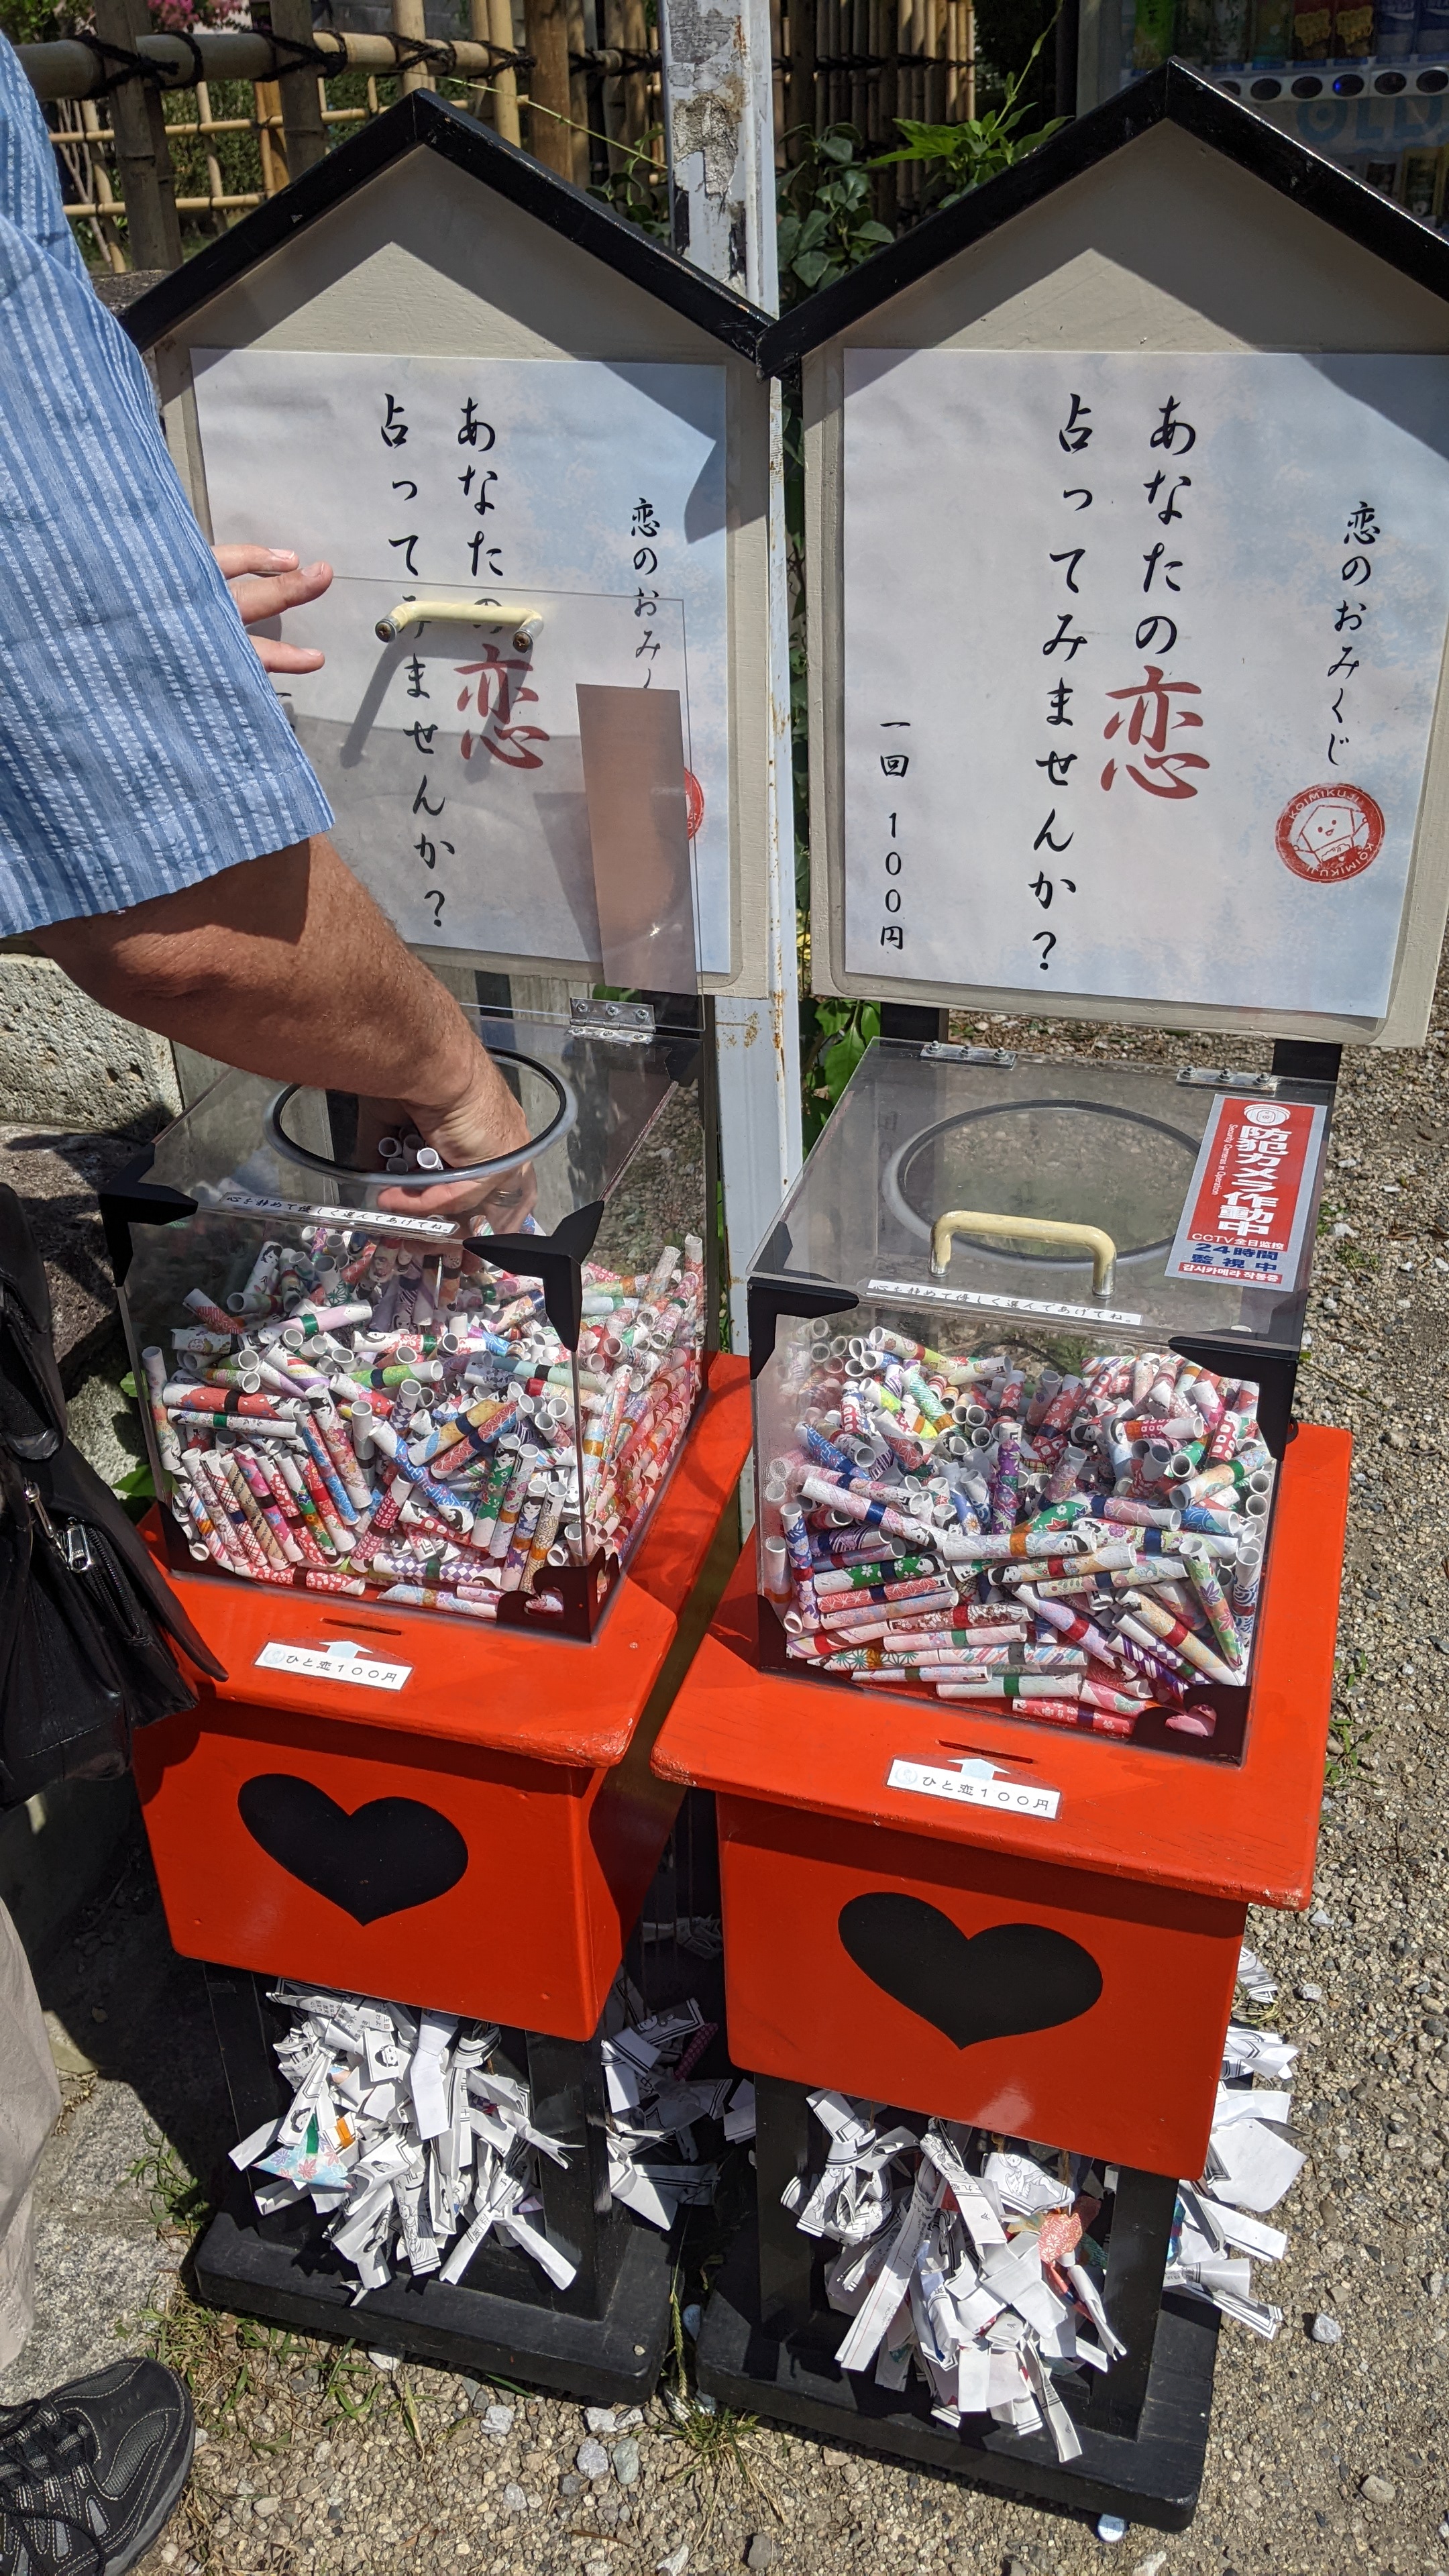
{"type": "Point", "coordinates": [480, 1839]}
{"type": "Point", "coordinates": [1093, 2010]}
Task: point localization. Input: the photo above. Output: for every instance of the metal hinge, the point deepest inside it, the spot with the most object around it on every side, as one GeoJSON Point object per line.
{"type": "Point", "coordinates": [626, 1023]}
{"type": "Point", "coordinates": [1216, 1077]}
{"type": "Point", "coordinates": [937, 1051]}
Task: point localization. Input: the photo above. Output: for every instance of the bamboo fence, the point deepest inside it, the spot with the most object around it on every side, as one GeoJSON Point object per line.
{"type": "Point", "coordinates": [166, 140]}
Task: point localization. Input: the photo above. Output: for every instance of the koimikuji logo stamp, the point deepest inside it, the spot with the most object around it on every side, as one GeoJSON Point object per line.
{"type": "Point", "coordinates": [1328, 834]}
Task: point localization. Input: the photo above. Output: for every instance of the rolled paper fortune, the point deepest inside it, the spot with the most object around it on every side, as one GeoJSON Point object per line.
{"type": "Point", "coordinates": [153, 1366]}
{"type": "Point", "coordinates": [993, 1685]}
{"type": "Point", "coordinates": [857, 1507]}
{"type": "Point", "coordinates": [994, 1547]}
{"type": "Point", "coordinates": [1065, 1496]}
{"type": "Point", "coordinates": [1125, 1508]}
{"type": "Point", "coordinates": [209, 1313]}
{"type": "Point", "coordinates": [1176, 1634]}
{"type": "Point", "coordinates": [1210, 1593]}
{"type": "Point", "coordinates": [1053, 1712]}
{"type": "Point", "coordinates": [1247, 1579]}
{"type": "Point", "coordinates": [212, 1400]}
{"type": "Point", "coordinates": [215, 1420]}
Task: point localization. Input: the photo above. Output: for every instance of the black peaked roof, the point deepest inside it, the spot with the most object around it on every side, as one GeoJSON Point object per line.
{"type": "Point", "coordinates": [1175, 95]}
{"type": "Point", "coordinates": [423, 119]}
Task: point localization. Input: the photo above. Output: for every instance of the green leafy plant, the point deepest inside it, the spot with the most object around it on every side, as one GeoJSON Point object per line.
{"type": "Point", "coordinates": [839, 1037]}
{"type": "Point", "coordinates": [825, 213]}
{"type": "Point", "coordinates": [640, 190]}
{"type": "Point", "coordinates": [1349, 1735]}
{"type": "Point", "coordinates": [966, 155]}
{"type": "Point", "coordinates": [138, 1485]}
{"type": "Point", "coordinates": [178, 2203]}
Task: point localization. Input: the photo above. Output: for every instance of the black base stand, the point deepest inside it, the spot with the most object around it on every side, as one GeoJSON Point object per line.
{"type": "Point", "coordinates": [1152, 2478]}
{"type": "Point", "coordinates": [606, 2358]}
{"type": "Point", "coordinates": [602, 2338]}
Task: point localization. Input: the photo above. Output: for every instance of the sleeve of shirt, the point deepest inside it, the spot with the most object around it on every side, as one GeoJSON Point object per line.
{"type": "Point", "coordinates": [142, 747]}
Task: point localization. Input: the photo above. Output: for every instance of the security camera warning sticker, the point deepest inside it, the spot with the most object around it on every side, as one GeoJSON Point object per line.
{"type": "Point", "coordinates": [1251, 1195]}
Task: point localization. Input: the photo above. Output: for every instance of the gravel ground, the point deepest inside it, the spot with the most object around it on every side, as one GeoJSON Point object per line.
{"type": "Point", "coordinates": [1323, 2457]}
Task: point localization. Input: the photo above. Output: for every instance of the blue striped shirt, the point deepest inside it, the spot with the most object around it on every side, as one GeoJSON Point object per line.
{"type": "Point", "coordinates": [142, 747]}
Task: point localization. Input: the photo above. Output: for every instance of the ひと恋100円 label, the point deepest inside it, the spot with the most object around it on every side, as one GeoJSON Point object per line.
{"type": "Point", "coordinates": [975, 1784]}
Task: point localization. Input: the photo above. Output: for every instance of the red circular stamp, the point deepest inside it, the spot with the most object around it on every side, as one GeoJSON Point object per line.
{"type": "Point", "coordinates": [1328, 834]}
{"type": "Point", "coordinates": [694, 805]}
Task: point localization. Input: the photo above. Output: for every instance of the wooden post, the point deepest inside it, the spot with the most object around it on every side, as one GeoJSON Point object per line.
{"type": "Point", "coordinates": [408, 20]}
{"type": "Point", "coordinates": [271, 142]}
{"type": "Point", "coordinates": [482, 97]}
{"type": "Point", "coordinates": [578, 167]}
{"type": "Point", "coordinates": [888, 100]}
{"type": "Point", "coordinates": [549, 139]}
{"type": "Point", "coordinates": [800, 92]}
{"type": "Point", "coordinates": [214, 187]}
{"type": "Point", "coordinates": [634, 92]}
{"type": "Point", "coordinates": [101, 194]}
{"type": "Point", "coordinates": [143, 155]}
{"type": "Point", "coordinates": [609, 20]}
{"type": "Point", "coordinates": [505, 83]}
{"type": "Point", "coordinates": [306, 135]}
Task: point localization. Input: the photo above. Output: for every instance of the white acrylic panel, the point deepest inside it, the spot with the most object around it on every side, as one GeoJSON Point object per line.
{"type": "Point", "coordinates": [602, 488]}
{"type": "Point", "coordinates": [1254, 859]}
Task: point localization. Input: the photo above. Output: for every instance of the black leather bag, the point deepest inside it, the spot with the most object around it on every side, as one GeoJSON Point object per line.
{"type": "Point", "coordinates": [84, 1615]}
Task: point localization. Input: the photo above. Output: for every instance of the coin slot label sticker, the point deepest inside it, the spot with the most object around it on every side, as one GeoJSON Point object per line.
{"type": "Point", "coordinates": [341, 1661]}
{"type": "Point", "coordinates": [975, 1784]}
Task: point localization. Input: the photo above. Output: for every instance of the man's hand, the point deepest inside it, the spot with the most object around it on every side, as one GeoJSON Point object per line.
{"type": "Point", "coordinates": [484, 1121]}
{"type": "Point", "coordinates": [286, 967]}
{"type": "Point", "coordinates": [264, 580]}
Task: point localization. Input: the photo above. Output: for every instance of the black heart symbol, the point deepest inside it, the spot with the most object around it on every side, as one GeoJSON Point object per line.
{"type": "Point", "coordinates": [998, 1984]}
{"type": "Point", "coordinates": [391, 1854]}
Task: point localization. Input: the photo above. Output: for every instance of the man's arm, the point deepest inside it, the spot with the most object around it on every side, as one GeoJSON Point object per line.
{"type": "Point", "coordinates": [286, 967]}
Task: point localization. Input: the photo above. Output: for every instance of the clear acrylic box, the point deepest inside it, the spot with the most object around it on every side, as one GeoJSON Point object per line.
{"type": "Point", "coordinates": [343, 1397]}
{"type": "Point", "coordinates": [981, 1448]}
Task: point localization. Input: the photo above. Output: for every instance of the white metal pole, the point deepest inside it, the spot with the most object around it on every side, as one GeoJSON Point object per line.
{"type": "Point", "coordinates": [719, 127]}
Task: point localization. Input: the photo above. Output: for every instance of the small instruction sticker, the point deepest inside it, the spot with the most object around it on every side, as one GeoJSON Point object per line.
{"type": "Point", "coordinates": [341, 1661]}
{"type": "Point", "coordinates": [916, 1292]}
{"type": "Point", "coordinates": [975, 1784]}
{"type": "Point", "coordinates": [373, 1220]}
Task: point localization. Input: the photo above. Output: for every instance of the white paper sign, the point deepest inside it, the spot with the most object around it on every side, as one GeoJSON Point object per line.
{"type": "Point", "coordinates": [344, 1661]}
{"type": "Point", "coordinates": [1141, 653]}
{"type": "Point", "coordinates": [594, 492]}
{"type": "Point", "coordinates": [974, 1784]}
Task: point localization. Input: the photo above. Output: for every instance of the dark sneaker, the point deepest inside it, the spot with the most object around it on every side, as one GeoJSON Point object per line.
{"type": "Point", "coordinates": [90, 2474]}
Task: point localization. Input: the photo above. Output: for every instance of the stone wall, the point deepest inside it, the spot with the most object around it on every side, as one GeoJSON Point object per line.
{"type": "Point", "coordinates": [65, 1062]}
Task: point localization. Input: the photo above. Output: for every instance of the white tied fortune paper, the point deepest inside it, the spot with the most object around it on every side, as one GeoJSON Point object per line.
{"type": "Point", "coordinates": [986, 2281]}
{"type": "Point", "coordinates": [1141, 655]}
{"type": "Point", "coordinates": [593, 492]}
{"type": "Point", "coordinates": [415, 2149]}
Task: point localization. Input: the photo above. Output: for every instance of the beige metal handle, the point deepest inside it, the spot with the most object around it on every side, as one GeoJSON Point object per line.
{"type": "Point", "coordinates": [527, 623]}
{"type": "Point", "coordinates": [1026, 1229]}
